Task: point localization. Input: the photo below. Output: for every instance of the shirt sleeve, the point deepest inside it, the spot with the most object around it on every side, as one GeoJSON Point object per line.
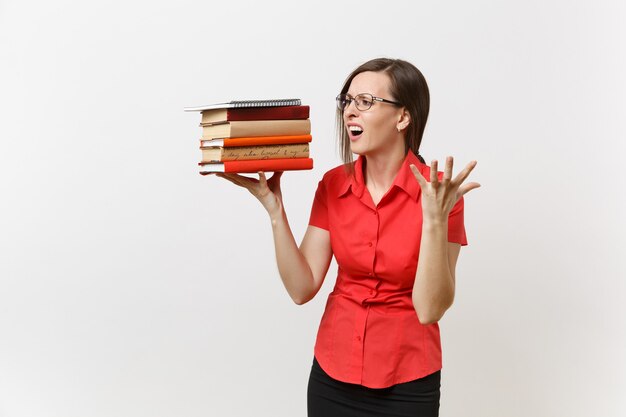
{"type": "Point", "coordinates": [456, 224]}
{"type": "Point", "coordinates": [319, 211]}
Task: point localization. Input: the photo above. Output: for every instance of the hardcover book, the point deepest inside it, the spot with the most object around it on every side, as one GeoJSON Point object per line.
{"type": "Point", "coordinates": [266, 165]}
{"type": "Point", "coordinates": [242, 153]}
{"type": "Point", "coordinates": [210, 117]}
{"type": "Point", "coordinates": [256, 128]}
{"type": "Point", "coordinates": [255, 141]}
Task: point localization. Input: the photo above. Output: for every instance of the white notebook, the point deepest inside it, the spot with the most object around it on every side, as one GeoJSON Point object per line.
{"type": "Point", "coordinates": [248, 103]}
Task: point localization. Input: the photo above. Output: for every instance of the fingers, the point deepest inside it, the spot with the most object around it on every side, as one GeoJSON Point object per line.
{"type": "Point", "coordinates": [447, 173]}
{"type": "Point", "coordinates": [418, 176]}
{"type": "Point", "coordinates": [433, 172]}
{"type": "Point", "coordinates": [275, 179]}
{"type": "Point", "coordinates": [461, 176]}
{"type": "Point", "coordinates": [228, 177]}
{"type": "Point", "coordinates": [274, 183]}
{"type": "Point", "coordinates": [237, 179]}
{"type": "Point", "coordinates": [465, 188]}
{"type": "Point", "coordinates": [277, 175]}
{"type": "Point", "coordinates": [248, 182]}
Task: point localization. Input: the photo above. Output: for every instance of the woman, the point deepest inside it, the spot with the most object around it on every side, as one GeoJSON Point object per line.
{"type": "Point", "coordinates": [378, 350]}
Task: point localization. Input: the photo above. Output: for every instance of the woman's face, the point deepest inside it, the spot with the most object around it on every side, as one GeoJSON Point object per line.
{"type": "Point", "coordinates": [379, 123]}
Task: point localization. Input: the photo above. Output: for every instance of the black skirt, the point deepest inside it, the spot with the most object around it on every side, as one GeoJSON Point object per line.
{"type": "Point", "coordinates": [327, 397]}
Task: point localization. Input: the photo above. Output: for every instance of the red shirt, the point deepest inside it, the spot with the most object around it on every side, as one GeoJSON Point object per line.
{"type": "Point", "coordinates": [370, 333]}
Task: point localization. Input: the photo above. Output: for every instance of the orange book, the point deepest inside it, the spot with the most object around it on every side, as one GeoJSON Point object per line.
{"type": "Point", "coordinates": [256, 165]}
{"type": "Point", "coordinates": [255, 141]}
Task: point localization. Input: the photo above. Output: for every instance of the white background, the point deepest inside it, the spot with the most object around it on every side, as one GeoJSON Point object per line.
{"type": "Point", "coordinates": [132, 286]}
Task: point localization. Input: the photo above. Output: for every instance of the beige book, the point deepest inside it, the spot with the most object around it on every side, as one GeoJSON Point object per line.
{"type": "Point", "coordinates": [243, 153]}
{"type": "Point", "coordinates": [253, 128]}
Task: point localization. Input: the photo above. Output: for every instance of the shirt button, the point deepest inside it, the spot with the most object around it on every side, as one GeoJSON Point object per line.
{"type": "Point", "coordinates": [358, 338]}
{"type": "Point", "coordinates": [371, 291]}
{"type": "Point", "coordinates": [369, 244]}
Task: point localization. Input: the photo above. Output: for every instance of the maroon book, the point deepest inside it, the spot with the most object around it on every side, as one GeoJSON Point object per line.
{"type": "Point", "coordinates": [254, 113]}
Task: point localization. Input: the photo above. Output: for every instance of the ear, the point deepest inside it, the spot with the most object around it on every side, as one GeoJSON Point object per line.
{"type": "Point", "coordinates": [404, 120]}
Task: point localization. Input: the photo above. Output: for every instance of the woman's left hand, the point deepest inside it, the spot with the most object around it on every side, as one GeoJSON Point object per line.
{"type": "Point", "coordinates": [438, 197]}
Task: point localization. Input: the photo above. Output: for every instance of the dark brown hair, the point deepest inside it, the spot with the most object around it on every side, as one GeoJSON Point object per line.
{"type": "Point", "coordinates": [408, 87]}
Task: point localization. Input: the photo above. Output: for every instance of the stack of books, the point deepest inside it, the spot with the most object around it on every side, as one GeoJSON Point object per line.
{"type": "Point", "coordinates": [255, 135]}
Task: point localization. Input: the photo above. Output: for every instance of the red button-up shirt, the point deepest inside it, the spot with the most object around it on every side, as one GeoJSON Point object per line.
{"type": "Point", "coordinates": [370, 333]}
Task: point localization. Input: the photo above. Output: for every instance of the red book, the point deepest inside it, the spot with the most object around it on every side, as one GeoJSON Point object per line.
{"type": "Point", "coordinates": [254, 113]}
{"type": "Point", "coordinates": [256, 165]}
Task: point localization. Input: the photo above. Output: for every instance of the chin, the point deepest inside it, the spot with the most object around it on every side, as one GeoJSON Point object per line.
{"type": "Point", "coordinates": [358, 148]}
{"type": "Point", "coordinates": [357, 151]}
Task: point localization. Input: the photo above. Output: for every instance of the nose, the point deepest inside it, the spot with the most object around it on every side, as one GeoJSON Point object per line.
{"type": "Point", "coordinates": [350, 109]}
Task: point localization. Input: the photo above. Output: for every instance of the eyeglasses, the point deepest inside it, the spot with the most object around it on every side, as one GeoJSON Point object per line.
{"type": "Point", "coordinates": [362, 101]}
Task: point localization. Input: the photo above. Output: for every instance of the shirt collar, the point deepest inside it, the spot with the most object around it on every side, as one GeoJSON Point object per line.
{"type": "Point", "coordinates": [405, 179]}
{"type": "Point", "coordinates": [355, 181]}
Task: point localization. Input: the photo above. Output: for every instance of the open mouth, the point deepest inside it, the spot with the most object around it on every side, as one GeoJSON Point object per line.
{"type": "Point", "coordinates": [355, 132]}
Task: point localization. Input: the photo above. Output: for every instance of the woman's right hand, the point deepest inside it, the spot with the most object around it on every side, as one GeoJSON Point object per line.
{"type": "Point", "coordinates": [266, 191]}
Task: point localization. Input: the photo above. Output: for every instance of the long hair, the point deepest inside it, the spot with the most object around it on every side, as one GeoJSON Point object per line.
{"type": "Point", "coordinates": [408, 87]}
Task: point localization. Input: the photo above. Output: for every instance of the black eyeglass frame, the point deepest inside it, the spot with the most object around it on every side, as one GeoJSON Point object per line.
{"type": "Point", "coordinates": [349, 99]}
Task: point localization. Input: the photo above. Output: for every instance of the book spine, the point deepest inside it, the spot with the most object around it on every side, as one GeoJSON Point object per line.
{"type": "Point", "coordinates": [259, 140]}
{"type": "Point", "coordinates": [257, 128]}
{"type": "Point", "coordinates": [268, 165]}
{"type": "Point", "coordinates": [273, 113]}
{"type": "Point", "coordinates": [214, 117]}
{"type": "Point", "coordinates": [244, 153]}
{"type": "Point", "coordinates": [270, 128]}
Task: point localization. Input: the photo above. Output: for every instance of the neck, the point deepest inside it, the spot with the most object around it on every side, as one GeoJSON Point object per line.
{"type": "Point", "coordinates": [381, 168]}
